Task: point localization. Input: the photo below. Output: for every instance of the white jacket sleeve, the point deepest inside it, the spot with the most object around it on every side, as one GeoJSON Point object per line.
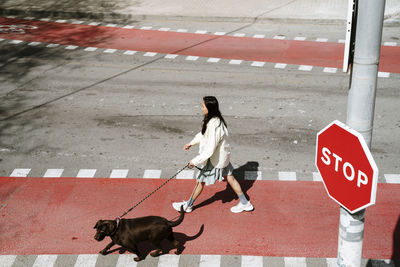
{"type": "Point", "coordinates": [212, 135]}
{"type": "Point", "coordinates": [196, 139]}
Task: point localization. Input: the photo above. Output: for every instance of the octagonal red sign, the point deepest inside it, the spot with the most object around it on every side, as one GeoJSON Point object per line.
{"type": "Point", "coordinates": [347, 168]}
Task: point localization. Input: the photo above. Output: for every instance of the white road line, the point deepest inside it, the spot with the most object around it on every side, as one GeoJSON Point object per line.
{"type": "Point", "coordinates": [219, 33]}
{"type": "Point", "coordinates": [239, 34]}
{"type": "Point", "coordinates": [119, 173]}
{"type": "Point", "coordinates": [150, 54]}
{"type": "Point", "coordinates": [110, 51]}
{"type": "Point", "coordinates": [146, 28]}
{"type": "Point", "coordinates": [128, 27]}
{"type": "Point", "coordinates": [181, 30]}
{"type": "Point", "coordinates": [164, 29]}
{"type": "Point", "coordinates": [186, 174]}
{"type": "Point", "coordinates": [171, 56]}
{"type": "Point", "coordinates": [45, 19]}
{"type": "Point", "coordinates": [20, 172]}
{"type": "Point", "coordinates": [45, 261]}
{"type": "Point", "coordinates": [287, 176]}
{"type": "Point", "coordinates": [34, 43]}
{"type": "Point", "coordinates": [200, 32]}
{"type": "Point", "coordinates": [258, 64]}
{"type": "Point", "coordinates": [53, 173]}
{"type": "Point", "coordinates": [71, 47]}
{"type": "Point", "coordinates": [321, 40]}
{"type": "Point", "coordinates": [168, 260]}
{"type": "Point", "coordinates": [330, 70]}
{"type": "Point", "coordinates": [126, 260]}
{"type": "Point", "coordinates": [192, 58]}
{"type": "Point", "coordinates": [15, 41]}
{"type": "Point", "coordinates": [279, 37]}
{"type": "Point", "coordinates": [259, 36]}
{"type": "Point", "coordinates": [390, 43]}
{"type": "Point", "coordinates": [77, 22]}
{"type": "Point", "coordinates": [305, 68]}
{"type": "Point", "coordinates": [392, 178]}
{"type": "Point", "coordinates": [235, 62]}
{"type": "Point", "coordinates": [280, 65]}
{"type": "Point", "coordinates": [383, 74]}
{"type": "Point", "coordinates": [152, 174]}
{"type": "Point", "coordinates": [331, 262]}
{"type": "Point", "coordinates": [94, 23]}
{"type": "Point", "coordinates": [7, 260]}
{"type": "Point", "coordinates": [52, 45]}
{"type": "Point", "coordinates": [253, 175]}
{"type": "Point", "coordinates": [295, 262]}
{"type": "Point", "coordinates": [342, 41]}
{"type": "Point", "coordinates": [316, 177]}
{"type": "Point", "coordinates": [210, 261]}
{"type": "Point", "coordinates": [86, 173]}
{"type": "Point", "coordinates": [90, 49]}
{"type": "Point", "coordinates": [111, 25]}
{"type": "Point", "coordinates": [130, 52]}
{"type": "Point", "coordinates": [1, 39]}
{"type": "Point", "coordinates": [213, 60]}
{"type": "Point", "coordinates": [86, 260]}
{"type": "Point", "coordinates": [61, 21]}
{"type": "Point", "coordinates": [300, 38]}
{"type": "Point", "coordinates": [252, 261]}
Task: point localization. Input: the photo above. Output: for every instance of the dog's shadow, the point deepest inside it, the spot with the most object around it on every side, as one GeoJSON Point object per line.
{"type": "Point", "coordinates": [246, 175]}
{"type": "Point", "coordinates": [146, 247]}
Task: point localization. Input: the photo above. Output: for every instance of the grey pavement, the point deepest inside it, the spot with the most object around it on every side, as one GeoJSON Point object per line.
{"type": "Point", "coordinates": [208, 10]}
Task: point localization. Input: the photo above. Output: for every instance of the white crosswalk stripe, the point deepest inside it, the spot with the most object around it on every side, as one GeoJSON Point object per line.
{"type": "Point", "coordinates": [118, 173]}
{"type": "Point", "coordinates": [20, 173]}
{"type": "Point", "coordinates": [53, 173]}
{"type": "Point", "coordinates": [210, 261]}
{"type": "Point", "coordinates": [45, 261]}
{"type": "Point", "coordinates": [152, 174]}
{"type": "Point", "coordinates": [252, 261]}
{"type": "Point", "coordinates": [86, 260]}
{"type": "Point", "coordinates": [86, 173]}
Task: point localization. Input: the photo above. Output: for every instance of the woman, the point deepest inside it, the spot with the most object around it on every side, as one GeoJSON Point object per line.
{"type": "Point", "coordinates": [214, 155]}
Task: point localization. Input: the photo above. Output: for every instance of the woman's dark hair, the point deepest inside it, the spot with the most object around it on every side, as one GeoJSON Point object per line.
{"type": "Point", "coordinates": [212, 106]}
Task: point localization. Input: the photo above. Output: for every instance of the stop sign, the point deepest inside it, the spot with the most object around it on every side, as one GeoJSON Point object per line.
{"type": "Point", "coordinates": [345, 163]}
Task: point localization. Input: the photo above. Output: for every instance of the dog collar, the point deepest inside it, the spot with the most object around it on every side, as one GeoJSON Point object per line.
{"type": "Point", "coordinates": [117, 220]}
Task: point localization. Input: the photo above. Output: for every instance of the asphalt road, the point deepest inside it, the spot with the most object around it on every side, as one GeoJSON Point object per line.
{"type": "Point", "coordinates": [74, 109]}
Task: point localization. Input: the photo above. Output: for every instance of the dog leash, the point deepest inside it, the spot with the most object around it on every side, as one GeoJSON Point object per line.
{"type": "Point", "coordinates": [137, 204]}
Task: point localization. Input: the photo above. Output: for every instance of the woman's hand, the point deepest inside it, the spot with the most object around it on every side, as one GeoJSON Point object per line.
{"type": "Point", "coordinates": [187, 146]}
{"type": "Point", "coordinates": [191, 165]}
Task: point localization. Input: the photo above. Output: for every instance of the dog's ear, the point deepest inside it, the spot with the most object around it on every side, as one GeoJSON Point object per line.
{"type": "Point", "coordinates": [97, 224]}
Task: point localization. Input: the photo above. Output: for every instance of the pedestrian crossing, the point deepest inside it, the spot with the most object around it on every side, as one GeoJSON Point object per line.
{"type": "Point", "coordinates": [188, 174]}
{"type": "Point", "coordinates": [167, 260]}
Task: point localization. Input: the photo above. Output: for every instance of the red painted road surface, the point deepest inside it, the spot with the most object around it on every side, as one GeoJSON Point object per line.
{"type": "Point", "coordinates": [291, 219]}
{"type": "Point", "coordinates": [203, 45]}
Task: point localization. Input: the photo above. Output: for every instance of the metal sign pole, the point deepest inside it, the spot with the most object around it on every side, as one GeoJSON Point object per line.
{"type": "Point", "coordinates": [360, 114]}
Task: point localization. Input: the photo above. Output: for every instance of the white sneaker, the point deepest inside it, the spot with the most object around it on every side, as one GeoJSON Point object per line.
{"type": "Point", "coordinates": [242, 207]}
{"type": "Point", "coordinates": [177, 206]}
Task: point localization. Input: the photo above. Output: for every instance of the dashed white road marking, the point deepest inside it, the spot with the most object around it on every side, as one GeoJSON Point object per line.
{"type": "Point", "coordinates": [330, 70]}
{"type": "Point", "coordinates": [239, 34]}
{"type": "Point", "coordinates": [164, 29]}
{"type": "Point", "coordinates": [300, 38]}
{"type": "Point", "coordinates": [171, 56]}
{"type": "Point", "coordinates": [34, 43]}
{"type": "Point", "coordinates": [235, 62]}
{"type": "Point", "coordinates": [53, 173]}
{"type": "Point", "coordinates": [317, 177]}
{"type": "Point", "coordinates": [45, 261]}
{"type": "Point", "coordinates": [331, 262]}
{"type": "Point", "coordinates": [129, 27]}
{"type": "Point", "coordinates": [130, 52]}
{"type": "Point", "coordinates": [7, 260]}
{"type": "Point", "coordinates": [210, 261]}
{"type": "Point", "coordinates": [186, 174]}
{"type": "Point", "coordinates": [15, 41]}
{"type": "Point", "coordinates": [295, 262]}
{"type": "Point", "coordinates": [219, 33]}
{"type": "Point", "coordinates": [61, 21]}
{"type": "Point", "coordinates": [390, 43]}
{"type": "Point", "coordinates": [146, 28]}
{"type": "Point", "coordinates": [150, 54]}
{"type": "Point", "coordinates": [213, 60]}
{"type": "Point", "coordinates": [119, 173]}
{"type": "Point", "coordinates": [287, 176]}
{"type": "Point", "coordinates": [192, 58]}
{"type": "Point", "coordinates": [112, 25]}
{"type": "Point", "coordinates": [168, 260]}
{"type": "Point", "coordinates": [52, 45]}
{"type": "Point", "coordinates": [258, 64]}
{"type": "Point", "coordinates": [71, 47]}
{"type": "Point", "coordinates": [253, 175]}
{"type": "Point", "coordinates": [152, 174]}
{"type": "Point", "coordinates": [126, 260]}
{"type": "Point", "coordinates": [279, 37]}
{"type": "Point", "coordinates": [20, 172]}
{"type": "Point", "coordinates": [110, 51]}
{"type": "Point", "coordinates": [90, 49]}
{"type": "Point", "coordinates": [280, 65]}
{"type": "Point", "coordinates": [341, 41]}
{"type": "Point", "coordinates": [305, 68]}
{"type": "Point", "coordinates": [182, 30]}
{"type": "Point", "coordinates": [77, 22]}
{"type": "Point", "coordinates": [321, 40]}
{"type": "Point", "coordinates": [94, 23]}
{"type": "Point", "coordinates": [392, 178]}
{"type": "Point", "coordinates": [200, 32]}
{"type": "Point", "coordinates": [252, 261]}
{"type": "Point", "coordinates": [383, 74]}
{"type": "Point", "coordinates": [259, 36]}
{"type": "Point", "coordinates": [86, 260]}
{"type": "Point", "coordinates": [86, 173]}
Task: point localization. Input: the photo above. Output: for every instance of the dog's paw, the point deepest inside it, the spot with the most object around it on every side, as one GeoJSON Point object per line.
{"type": "Point", "coordinates": [137, 259]}
{"type": "Point", "coordinates": [122, 250]}
{"type": "Point", "coordinates": [103, 252]}
{"type": "Point", "coordinates": [155, 253]}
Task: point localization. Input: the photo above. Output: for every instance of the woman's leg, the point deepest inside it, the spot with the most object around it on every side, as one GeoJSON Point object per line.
{"type": "Point", "coordinates": [197, 190]}
{"type": "Point", "coordinates": [234, 184]}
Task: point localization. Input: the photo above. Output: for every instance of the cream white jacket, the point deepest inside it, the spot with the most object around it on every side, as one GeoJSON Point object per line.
{"type": "Point", "coordinates": [212, 145]}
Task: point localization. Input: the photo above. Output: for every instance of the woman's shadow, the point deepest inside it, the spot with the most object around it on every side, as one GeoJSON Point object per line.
{"type": "Point", "coordinates": [246, 175]}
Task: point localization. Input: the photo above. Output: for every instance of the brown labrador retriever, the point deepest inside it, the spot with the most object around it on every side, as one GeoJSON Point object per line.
{"type": "Point", "coordinates": [129, 232]}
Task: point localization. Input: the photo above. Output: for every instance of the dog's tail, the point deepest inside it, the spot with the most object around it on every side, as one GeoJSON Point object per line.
{"type": "Point", "coordinates": [180, 219]}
